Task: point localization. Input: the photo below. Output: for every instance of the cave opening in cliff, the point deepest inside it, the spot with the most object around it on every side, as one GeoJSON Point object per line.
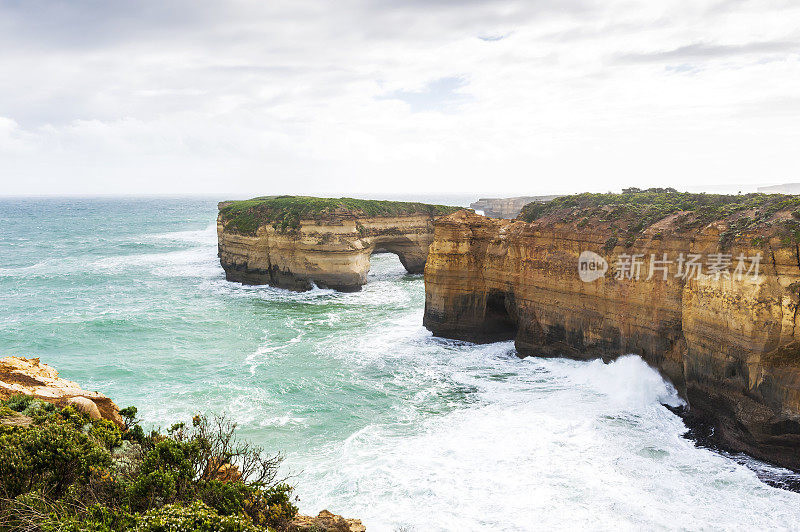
{"type": "Point", "coordinates": [499, 323]}
{"type": "Point", "coordinates": [410, 254]}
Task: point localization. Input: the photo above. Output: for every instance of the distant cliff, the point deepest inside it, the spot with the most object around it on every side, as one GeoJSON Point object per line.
{"type": "Point", "coordinates": [785, 188]}
{"type": "Point", "coordinates": [727, 335]}
{"type": "Point", "coordinates": [294, 241]}
{"type": "Point", "coordinates": [507, 208]}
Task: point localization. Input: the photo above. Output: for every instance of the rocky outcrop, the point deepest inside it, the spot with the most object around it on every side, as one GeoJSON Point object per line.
{"type": "Point", "coordinates": [730, 343]}
{"type": "Point", "coordinates": [30, 377]}
{"type": "Point", "coordinates": [278, 241]}
{"type": "Point", "coordinates": [326, 522]}
{"type": "Point", "coordinates": [507, 208]}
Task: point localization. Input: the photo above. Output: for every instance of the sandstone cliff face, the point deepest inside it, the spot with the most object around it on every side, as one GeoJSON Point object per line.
{"type": "Point", "coordinates": [729, 345]}
{"type": "Point", "coordinates": [331, 250]}
{"type": "Point", "coordinates": [30, 377]}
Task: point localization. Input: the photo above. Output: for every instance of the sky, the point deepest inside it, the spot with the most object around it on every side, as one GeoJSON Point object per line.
{"type": "Point", "coordinates": [388, 97]}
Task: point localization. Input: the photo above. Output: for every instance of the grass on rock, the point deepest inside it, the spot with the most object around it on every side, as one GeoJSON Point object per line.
{"type": "Point", "coordinates": [627, 215]}
{"type": "Point", "coordinates": [285, 212]}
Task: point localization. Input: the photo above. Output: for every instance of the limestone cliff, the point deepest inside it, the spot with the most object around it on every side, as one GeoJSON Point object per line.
{"type": "Point", "coordinates": [729, 342]}
{"type": "Point", "coordinates": [507, 208]}
{"type": "Point", "coordinates": [292, 242]}
{"type": "Point", "coordinates": [30, 377]}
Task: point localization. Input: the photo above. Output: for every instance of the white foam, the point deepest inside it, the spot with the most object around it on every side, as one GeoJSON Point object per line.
{"type": "Point", "coordinates": [202, 236]}
{"type": "Point", "coordinates": [550, 444]}
{"type": "Point", "coordinates": [626, 382]}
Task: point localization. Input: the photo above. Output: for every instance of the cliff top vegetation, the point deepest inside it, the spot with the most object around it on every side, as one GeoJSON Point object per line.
{"type": "Point", "coordinates": [626, 215]}
{"type": "Point", "coordinates": [285, 212]}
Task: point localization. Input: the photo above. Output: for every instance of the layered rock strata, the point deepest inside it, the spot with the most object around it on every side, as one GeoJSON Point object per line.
{"type": "Point", "coordinates": [328, 246]}
{"type": "Point", "coordinates": [730, 343]}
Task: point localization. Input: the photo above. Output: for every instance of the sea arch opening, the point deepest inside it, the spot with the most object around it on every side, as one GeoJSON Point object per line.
{"type": "Point", "coordinates": [412, 254]}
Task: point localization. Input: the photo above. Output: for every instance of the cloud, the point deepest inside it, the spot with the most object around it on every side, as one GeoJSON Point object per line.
{"type": "Point", "coordinates": [439, 95]}
{"type": "Point", "coordinates": [307, 96]}
{"type": "Point", "coordinates": [704, 51]}
{"type": "Point", "coordinates": [493, 37]}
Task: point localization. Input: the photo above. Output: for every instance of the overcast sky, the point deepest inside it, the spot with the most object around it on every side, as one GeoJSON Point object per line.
{"type": "Point", "coordinates": [501, 97]}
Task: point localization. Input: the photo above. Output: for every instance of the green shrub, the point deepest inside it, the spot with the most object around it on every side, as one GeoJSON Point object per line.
{"type": "Point", "coordinates": [48, 458]}
{"type": "Point", "coordinates": [165, 476]}
{"type": "Point", "coordinates": [610, 244]}
{"type": "Point", "coordinates": [194, 517]}
{"type": "Point", "coordinates": [107, 433]}
{"type": "Point", "coordinates": [19, 402]}
{"type": "Point", "coordinates": [272, 507]}
{"type": "Point", "coordinates": [65, 472]}
{"type": "Point", "coordinates": [128, 415]}
{"type": "Point", "coordinates": [227, 498]}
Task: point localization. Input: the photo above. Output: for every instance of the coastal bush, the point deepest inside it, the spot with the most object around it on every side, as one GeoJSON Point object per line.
{"type": "Point", "coordinates": [63, 471]}
{"type": "Point", "coordinates": [195, 517]}
{"type": "Point", "coordinates": [284, 213]}
{"type": "Point", "coordinates": [47, 458]}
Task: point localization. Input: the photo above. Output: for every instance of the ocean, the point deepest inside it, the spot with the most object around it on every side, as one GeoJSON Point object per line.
{"type": "Point", "coordinates": [377, 419]}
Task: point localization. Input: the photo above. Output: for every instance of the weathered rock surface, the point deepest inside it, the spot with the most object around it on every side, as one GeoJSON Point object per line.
{"type": "Point", "coordinates": [731, 347]}
{"type": "Point", "coordinates": [507, 208]}
{"type": "Point", "coordinates": [330, 249]}
{"type": "Point", "coordinates": [326, 522]}
{"type": "Point", "coordinates": [30, 377]}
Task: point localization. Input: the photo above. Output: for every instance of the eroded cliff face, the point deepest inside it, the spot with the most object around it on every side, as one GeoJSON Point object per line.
{"type": "Point", "coordinates": [331, 251]}
{"type": "Point", "coordinates": [729, 344]}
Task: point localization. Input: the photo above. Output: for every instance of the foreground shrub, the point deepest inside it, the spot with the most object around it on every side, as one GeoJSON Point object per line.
{"type": "Point", "coordinates": [195, 517]}
{"type": "Point", "coordinates": [64, 471]}
{"type": "Point", "coordinates": [47, 458]}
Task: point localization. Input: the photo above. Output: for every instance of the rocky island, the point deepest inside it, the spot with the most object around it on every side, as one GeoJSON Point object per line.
{"type": "Point", "coordinates": [727, 338]}
{"type": "Point", "coordinates": [296, 241]}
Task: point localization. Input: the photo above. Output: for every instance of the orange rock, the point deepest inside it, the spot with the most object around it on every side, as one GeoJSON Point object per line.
{"type": "Point", "coordinates": [731, 347]}
{"type": "Point", "coordinates": [326, 521]}
{"type": "Point", "coordinates": [331, 252]}
{"type": "Point", "coordinates": [30, 377]}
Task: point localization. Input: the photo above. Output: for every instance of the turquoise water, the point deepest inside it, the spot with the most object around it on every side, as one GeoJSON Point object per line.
{"type": "Point", "coordinates": [378, 419]}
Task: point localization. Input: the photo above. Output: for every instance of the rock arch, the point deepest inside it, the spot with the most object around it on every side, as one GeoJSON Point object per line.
{"type": "Point", "coordinates": [412, 253]}
{"type": "Point", "coordinates": [330, 251]}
